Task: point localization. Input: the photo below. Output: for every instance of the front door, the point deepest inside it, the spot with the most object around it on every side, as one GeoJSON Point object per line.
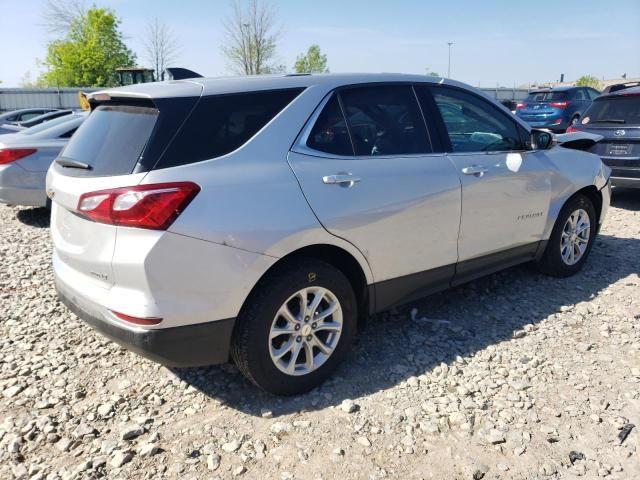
{"type": "Point", "coordinates": [373, 179]}
{"type": "Point", "coordinates": [506, 190]}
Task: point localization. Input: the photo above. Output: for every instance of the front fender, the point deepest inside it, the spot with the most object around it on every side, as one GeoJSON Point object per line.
{"type": "Point", "coordinates": [574, 171]}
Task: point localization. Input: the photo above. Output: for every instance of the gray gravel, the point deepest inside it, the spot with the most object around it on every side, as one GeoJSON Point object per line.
{"type": "Point", "coordinates": [513, 376]}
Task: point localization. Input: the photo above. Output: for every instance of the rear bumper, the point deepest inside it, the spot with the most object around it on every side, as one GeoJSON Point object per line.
{"type": "Point", "coordinates": [186, 346]}
{"type": "Point", "coordinates": [548, 124]}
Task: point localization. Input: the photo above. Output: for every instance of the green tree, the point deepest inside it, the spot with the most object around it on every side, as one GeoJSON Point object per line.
{"type": "Point", "coordinates": [588, 81]}
{"type": "Point", "coordinates": [314, 61]}
{"type": "Point", "coordinates": [90, 53]}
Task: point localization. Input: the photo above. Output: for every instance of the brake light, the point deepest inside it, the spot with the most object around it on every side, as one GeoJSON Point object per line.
{"type": "Point", "coordinates": [153, 206]}
{"type": "Point", "coordinates": [8, 155]}
{"type": "Point", "coordinates": [571, 129]}
{"type": "Point", "coordinates": [520, 106]}
{"type": "Point", "coordinates": [561, 105]}
{"type": "Point", "coordinates": [137, 320]}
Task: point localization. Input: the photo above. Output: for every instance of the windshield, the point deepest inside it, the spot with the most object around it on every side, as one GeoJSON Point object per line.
{"type": "Point", "coordinates": [41, 127]}
{"type": "Point", "coordinates": [42, 118]}
{"type": "Point", "coordinates": [546, 97]}
{"type": "Point", "coordinates": [614, 110]}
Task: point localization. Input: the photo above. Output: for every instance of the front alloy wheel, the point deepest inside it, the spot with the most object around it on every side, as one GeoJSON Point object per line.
{"type": "Point", "coordinates": [575, 237]}
{"type": "Point", "coordinates": [571, 238]}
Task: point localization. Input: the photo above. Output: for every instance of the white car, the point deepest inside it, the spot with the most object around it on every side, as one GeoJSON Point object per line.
{"type": "Point", "coordinates": [264, 218]}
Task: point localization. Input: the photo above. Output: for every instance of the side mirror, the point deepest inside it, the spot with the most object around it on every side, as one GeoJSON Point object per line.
{"type": "Point", "coordinates": [541, 140]}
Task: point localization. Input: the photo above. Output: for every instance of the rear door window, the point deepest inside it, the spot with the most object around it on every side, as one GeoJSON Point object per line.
{"type": "Point", "coordinates": [580, 94]}
{"type": "Point", "coordinates": [330, 133]}
{"type": "Point", "coordinates": [385, 120]}
{"type": "Point", "coordinates": [222, 123]}
{"type": "Point", "coordinates": [111, 140]}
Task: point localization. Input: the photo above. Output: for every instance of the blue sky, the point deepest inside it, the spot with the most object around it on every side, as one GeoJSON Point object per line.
{"type": "Point", "coordinates": [495, 42]}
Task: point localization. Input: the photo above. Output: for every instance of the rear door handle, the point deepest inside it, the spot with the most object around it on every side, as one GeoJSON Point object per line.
{"type": "Point", "coordinates": [476, 170]}
{"type": "Point", "coordinates": [342, 179]}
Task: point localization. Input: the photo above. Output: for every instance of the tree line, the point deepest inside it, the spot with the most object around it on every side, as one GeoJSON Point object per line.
{"type": "Point", "coordinates": [88, 45]}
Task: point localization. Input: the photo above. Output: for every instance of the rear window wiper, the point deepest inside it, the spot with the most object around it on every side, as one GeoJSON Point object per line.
{"type": "Point", "coordinates": [63, 162]}
{"type": "Point", "coordinates": [609, 120]}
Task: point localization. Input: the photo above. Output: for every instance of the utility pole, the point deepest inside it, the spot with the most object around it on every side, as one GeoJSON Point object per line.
{"type": "Point", "coordinates": [449, 67]}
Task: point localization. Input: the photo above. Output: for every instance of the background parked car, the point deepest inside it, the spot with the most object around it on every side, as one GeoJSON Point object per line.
{"type": "Point", "coordinates": [26, 156]}
{"type": "Point", "coordinates": [617, 118]}
{"type": "Point", "coordinates": [46, 117]}
{"type": "Point", "coordinates": [23, 115]}
{"type": "Point", "coordinates": [555, 108]}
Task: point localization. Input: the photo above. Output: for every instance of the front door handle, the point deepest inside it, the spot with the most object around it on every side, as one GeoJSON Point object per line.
{"type": "Point", "coordinates": [476, 170]}
{"type": "Point", "coordinates": [342, 179]}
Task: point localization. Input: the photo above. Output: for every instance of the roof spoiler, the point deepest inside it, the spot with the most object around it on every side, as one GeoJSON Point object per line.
{"type": "Point", "coordinates": [177, 73]}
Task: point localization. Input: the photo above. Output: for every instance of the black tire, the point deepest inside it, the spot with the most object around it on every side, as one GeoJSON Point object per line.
{"type": "Point", "coordinates": [551, 262]}
{"type": "Point", "coordinates": [250, 341]}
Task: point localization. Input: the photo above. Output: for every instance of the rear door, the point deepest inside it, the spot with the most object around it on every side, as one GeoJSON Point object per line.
{"type": "Point", "coordinates": [372, 176]}
{"type": "Point", "coordinates": [506, 190]}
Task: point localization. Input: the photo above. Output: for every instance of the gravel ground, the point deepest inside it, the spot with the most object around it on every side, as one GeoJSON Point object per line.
{"type": "Point", "coordinates": [512, 376]}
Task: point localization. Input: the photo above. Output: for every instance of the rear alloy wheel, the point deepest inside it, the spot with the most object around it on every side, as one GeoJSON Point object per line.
{"type": "Point", "coordinates": [571, 239]}
{"type": "Point", "coordinates": [296, 327]}
{"type": "Point", "coordinates": [305, 331]}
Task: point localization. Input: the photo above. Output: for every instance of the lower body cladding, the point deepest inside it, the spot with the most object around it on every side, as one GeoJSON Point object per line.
{"type": "Point", "coordinates": [22, 187]}
{"type": "Point", "coordinates": [196, 287]}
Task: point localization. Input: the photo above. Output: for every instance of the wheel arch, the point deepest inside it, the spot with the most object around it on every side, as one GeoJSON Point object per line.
{"type": "Point", "coordinates": [590, 191]}
{"type": "Point", "coordinates": [337, 257]}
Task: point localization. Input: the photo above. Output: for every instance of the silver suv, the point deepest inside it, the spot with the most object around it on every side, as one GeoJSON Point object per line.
{"type": "Point", "coordinates": [264, 219]}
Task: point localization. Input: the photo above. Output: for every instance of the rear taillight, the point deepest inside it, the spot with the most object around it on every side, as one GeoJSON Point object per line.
{"type": "Point", "coordinates": [561, 105]}
{"type": "Point", "coordinates": [571, 129]}
{"type": "Point", "coordinates": [8, 155]}
{"type": "Point", "coordinates": [137, 320]}
{"type": "Point", "coordinates": [520, 106]}
{"type": "Point", "coordinates": [153, 206]}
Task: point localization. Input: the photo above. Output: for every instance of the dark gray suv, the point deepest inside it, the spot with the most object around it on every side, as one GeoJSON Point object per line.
{"type": "Point", "coordinates": [616, 117]}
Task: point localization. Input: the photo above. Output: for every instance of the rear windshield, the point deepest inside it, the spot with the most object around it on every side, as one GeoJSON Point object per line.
{"type": "Point", "coordinates": [546, 96]}
{"type": "Point", "coordinates": [615, 110]}
{"type": "Point", "coordinates": [111, 139]}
